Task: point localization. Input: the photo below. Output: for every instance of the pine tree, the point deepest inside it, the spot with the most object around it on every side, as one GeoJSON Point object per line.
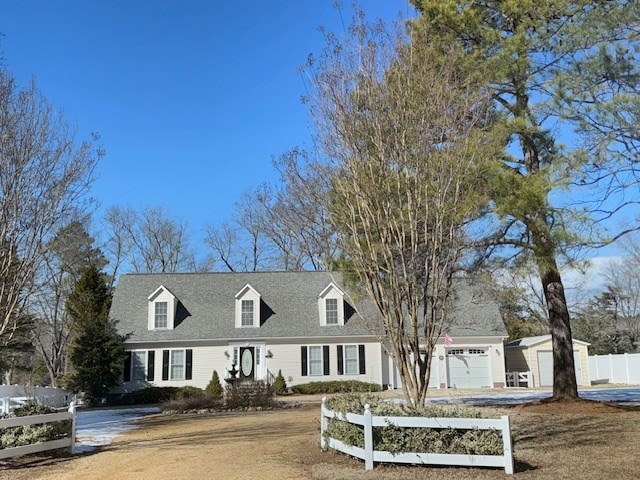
{"type": "Point", "coordinates": [97, 351]}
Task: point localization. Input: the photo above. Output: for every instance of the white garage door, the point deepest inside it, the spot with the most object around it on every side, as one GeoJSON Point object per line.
{"type": "Point", "coordinates": [545, 367]}
{"type": "Point", "coordinates": [468, 367]}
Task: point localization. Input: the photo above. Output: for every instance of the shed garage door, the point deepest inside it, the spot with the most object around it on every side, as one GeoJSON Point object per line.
{"type": "Point", "coordinates": [468, 367]}
{"type": "Point", "coordinates": [545, 367]}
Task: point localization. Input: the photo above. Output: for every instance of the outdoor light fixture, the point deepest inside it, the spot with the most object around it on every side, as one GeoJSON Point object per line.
{"type": "Point", "coordinates": [269, 354]}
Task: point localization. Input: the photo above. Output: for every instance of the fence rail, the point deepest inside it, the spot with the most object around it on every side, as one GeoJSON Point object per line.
{"type": "Point", "coordinates": [69, 441]}
{"type": "Point", "coordinates": [369, 455]}
{"type": "Point", "coordinates": [519, 379]}
{"type": "Point", "coordinates": [621, 368]}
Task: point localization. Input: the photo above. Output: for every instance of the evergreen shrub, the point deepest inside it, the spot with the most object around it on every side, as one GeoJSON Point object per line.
{"type": "Point", "coordinates": [406, 439]}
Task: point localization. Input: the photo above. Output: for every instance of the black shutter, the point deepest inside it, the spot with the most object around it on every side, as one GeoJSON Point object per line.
{"type": "Point", "coordinates": [151, 360]}
{"type": "Point", "coordinates": [361, 359]}
{"type": "Point", "coordinates": [188, 369]}
{"type": "Point", "coordinates": [325, 358]}
{"type": "Point", "coordinates": [127, 367]}
{"type": "Point", "coordinates": [165, 364]}
{"type": "Point", "coordinates": [303, 359]}
{"type": "Point", "coordinates": [340, 361]}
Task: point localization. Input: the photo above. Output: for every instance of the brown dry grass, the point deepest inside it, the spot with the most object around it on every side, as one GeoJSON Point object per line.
{"type": "Point", "coordinates": [552, 441]}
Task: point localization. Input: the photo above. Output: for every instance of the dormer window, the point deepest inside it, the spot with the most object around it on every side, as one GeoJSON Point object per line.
{"type": "Point", "coordinates": [247, 313]}
{"type": "Point", "coordinates": [331, 306]}
{"type": "Point", "coordinates": [160, 315]}
{"type": "Point", "coordinates": [162, 309]}
{"type": "Point", "coordinates": [331, 311]}
{"type": "Point", "coordinates": [247, 307]}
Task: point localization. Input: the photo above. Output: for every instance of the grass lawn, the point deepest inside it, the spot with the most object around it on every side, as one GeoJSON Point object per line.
{"type": "Point", "coordinates": [577, 441]}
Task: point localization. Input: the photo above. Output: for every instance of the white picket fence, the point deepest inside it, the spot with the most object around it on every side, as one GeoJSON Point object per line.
{"type": "Point", "coordinates": [369, 455]}
{"type": "Point", "coordinates": [621, 368]}
{"type": "Point", "coordinates": [67, 442]}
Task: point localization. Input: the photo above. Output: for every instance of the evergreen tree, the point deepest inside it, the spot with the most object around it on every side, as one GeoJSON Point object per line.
{"type": "Point", "coordinates": [553, 67]}
{"type": "Point", "coordinates": [97, 352]}
{"type": "Point", "coordinates": [214, 388]}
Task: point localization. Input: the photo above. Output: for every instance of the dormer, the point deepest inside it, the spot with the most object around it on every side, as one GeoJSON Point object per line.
{"type": "Point", "coordinates": [331, 306]}
{"type": "Point", "coordinates": [162, 309]}
{"type": "Point", "coordinates": [247, 307]}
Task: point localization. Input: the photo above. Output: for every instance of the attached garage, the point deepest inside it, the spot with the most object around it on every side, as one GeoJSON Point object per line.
{"type": "Point", "coordinates": [534, 355]}
{"type": "Point", "coordinates": [468, 367]}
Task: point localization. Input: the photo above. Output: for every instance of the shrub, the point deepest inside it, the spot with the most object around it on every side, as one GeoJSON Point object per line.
{"type": "Point", "coordinates": [403, 439]}
{"type": "Point", "coordinates": [336, 386]}
{"type": "Point", "coordinates": [147, 395]}
{"type": "Point", "coordinates": [199, 402]}
{"type": "Point", "coordinates": [185, 393]}
{"type": "Point", "coordinates": [279, 384]}
{"type": "Point", "coordinates": [249, 394]}
{"type": "Point", "coordinates": [29, 434]}
{"type": "Point", "coordinates": [214, 388]}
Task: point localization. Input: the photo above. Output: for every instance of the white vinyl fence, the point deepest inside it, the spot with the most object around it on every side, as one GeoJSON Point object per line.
{"type": "Point", "coordinates": [12, 396]}
{"type": "Point", "coordinates": [369, 455]}
{"type": "Point", "coordinates": [623, 368]}
{"type": "Point", "coordinates": [69, 441]}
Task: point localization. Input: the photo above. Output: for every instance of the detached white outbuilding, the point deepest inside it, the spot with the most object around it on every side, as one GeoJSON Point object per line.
{"type": "Point", "coordinates": [534, 355]}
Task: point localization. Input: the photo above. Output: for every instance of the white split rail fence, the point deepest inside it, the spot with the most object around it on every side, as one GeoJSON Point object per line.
{"type": "Point", "coordinates": [66, 442]}
{"type": "Point", "coordinates": [369, 455]}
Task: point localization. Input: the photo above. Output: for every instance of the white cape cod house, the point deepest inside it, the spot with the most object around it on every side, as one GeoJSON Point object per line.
{"type": "Point", "coordinates": [180, 327]}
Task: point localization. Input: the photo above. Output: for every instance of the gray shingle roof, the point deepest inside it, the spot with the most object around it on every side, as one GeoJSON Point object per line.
{"type": "Point", "coordinates": [206, 309]}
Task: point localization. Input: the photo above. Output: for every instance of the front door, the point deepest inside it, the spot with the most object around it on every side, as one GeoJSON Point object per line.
{"type": "Point", "coordinates": [247, 363]}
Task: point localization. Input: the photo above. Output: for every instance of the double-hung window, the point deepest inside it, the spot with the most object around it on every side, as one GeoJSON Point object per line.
{"type": "Point", "coordinates": [160, 315]}
{"type": "Point", "coordinates": [177, 364]}
{"type": "Point", "coordinates": [351, 360]}
{"type": "Point", "coordinates": [331, 311]}
{"type": "Point", "coordinates": [139, 365]}
{"type": "Point", "coordinates": [247, 313]}
{"type": "Point", "coordinates": [176, 369]}
{"type": "Point", "coordinates": [315, 360]}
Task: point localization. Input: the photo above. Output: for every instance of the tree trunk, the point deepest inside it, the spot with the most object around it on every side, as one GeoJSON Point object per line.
{"type": "Point", "coordinates": [565, 386]}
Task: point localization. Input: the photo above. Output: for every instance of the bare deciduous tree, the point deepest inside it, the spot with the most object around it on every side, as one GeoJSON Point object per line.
{"type": "Point", "coordinates": [148, 241]}
{"type": "Point", "coordinates": [44, 175]}
{"type": "Point", "coordinates": [401, 127]}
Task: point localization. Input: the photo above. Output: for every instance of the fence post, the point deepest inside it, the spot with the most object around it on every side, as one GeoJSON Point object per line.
{"type": "Point", "coordinates": [72, 411]}
{"type": "Point", "coordinates": [506, 443]}
{"type": "Point", "coordinates": [626, 368]}
{"type": "Point", "coordinates": [323, 425]}
{"type": "Point", "coordinates": [611, 378]}
{"type": "Point", "coordinates": [368, 439]}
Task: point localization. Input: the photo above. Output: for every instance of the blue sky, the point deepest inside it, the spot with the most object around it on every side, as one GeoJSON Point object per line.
{"type": "Point", "coordinates": [192, 99]}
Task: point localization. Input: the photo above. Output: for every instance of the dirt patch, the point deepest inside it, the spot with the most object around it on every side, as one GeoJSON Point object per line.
{"type": "Point", "coordinates": [576, 407]}
{"type": "Point", "coordinates": [593, 443]}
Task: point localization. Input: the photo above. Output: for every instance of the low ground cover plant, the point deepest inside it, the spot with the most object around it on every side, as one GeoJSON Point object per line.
{"type": "Point", "coordinates": [336, 386]}
{"type": "Point", "coordinates": [30, 434]}
{"type": "Point", "coordinates": [424, 440]}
